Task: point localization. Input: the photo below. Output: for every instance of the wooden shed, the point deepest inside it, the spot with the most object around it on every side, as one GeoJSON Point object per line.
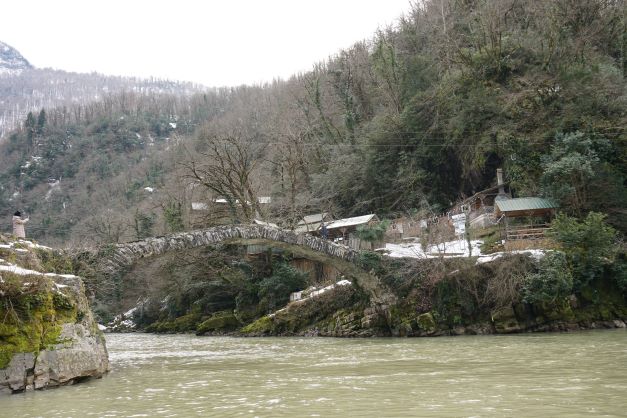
{"type": "Point", "coordinates": [525, 217]}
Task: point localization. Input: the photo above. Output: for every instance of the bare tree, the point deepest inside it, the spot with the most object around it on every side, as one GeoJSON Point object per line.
{"type": "Point", "coordinates": [227, 166]}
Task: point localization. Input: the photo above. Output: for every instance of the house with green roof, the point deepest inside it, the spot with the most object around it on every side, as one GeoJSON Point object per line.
{"type": "Point", "coordinates": [525, 218]}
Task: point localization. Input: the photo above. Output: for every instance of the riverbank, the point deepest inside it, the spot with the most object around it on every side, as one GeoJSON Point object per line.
{"type": "Point", "coordinates": [424, 298]}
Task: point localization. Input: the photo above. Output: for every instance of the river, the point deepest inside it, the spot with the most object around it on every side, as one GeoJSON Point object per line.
{"type": "Point", "coordinates": [534, 375]}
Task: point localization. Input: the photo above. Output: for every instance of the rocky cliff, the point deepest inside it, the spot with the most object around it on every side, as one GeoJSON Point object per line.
{"type": "Point", "coordinates": [48, 336]}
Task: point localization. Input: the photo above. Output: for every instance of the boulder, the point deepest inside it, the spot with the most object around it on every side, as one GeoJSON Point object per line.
{"type": "Point", "coordinates": [426, 323]}
{"type": "Point", "coordinates": [60, 347]}
{"type": "Point", "coordinates": [222, 321]}
{"type": "Point", "coordinates": [83, 354]}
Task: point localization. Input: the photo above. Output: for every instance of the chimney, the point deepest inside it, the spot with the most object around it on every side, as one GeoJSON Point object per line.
{"type": "Point", "coordinates": [499, 179]}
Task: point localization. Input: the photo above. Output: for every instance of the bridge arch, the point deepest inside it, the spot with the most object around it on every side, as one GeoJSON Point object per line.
{"type": "Point", "coordinates": [119, 257]}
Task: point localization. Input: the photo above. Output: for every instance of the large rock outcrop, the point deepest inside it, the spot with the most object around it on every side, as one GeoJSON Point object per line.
{"type": "Point", "coordinates": [48, 336]}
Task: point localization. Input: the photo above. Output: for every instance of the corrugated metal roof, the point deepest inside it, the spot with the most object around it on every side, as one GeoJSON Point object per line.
{"type": "Point", "coordinates": [524, 203]}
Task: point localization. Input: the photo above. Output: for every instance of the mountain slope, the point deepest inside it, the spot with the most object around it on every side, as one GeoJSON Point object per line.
{"type": "Point", "coordinates": [407, 123]}
{"type": "Point", "coordinates": [11, 61]}
{"type": "Point", "coordinates": [24, 88]}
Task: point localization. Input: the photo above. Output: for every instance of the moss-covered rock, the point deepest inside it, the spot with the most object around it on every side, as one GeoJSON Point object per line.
{"type": "Point", "coordinates": [219, 322]}
{"type": "Point", "coordinates": [262, 326]}
{"type": "Point", "coordinates": [47, 336]}
{"type": "Point", "coordinates": [185, 323]}
{"type": "Point", "coordinates": [33, 316]}
{"type": "Point", "coordinates": [426, 323]}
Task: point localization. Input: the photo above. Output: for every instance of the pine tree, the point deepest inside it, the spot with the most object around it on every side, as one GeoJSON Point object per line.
{"type": "Point", "coordinates": [41, 121]}
{"type": "Point", "coordinates": [30, 127]}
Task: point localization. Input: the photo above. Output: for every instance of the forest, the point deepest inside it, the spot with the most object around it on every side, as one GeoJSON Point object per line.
{"type": "Point", "coordinates": [406, 123]}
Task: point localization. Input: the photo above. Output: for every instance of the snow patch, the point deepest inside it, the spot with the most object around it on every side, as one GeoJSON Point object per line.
{"type": "Point", "coordinates": [31, 244]}
{"type": "Point", "coordinates": [457, 248]}
{"type": "Point", "coordinates": [311, 292]}
{"type": "Point", "coordinates": [536, 254]}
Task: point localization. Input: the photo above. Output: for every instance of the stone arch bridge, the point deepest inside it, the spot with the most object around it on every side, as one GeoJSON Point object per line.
{"type": "Point", "coordinates": [117, 258]}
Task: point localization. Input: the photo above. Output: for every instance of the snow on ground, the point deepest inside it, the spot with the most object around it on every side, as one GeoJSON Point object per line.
{"type": "Point", "coordinates": [457, 248]}
{"type": "Point", "coordinates": [324, 289]}
{"type": "Point", "coordinates": [20, 271]}
{"type": "Point", "coordinates": [536, 254]}
{"type": "Point", "coordinates": [313, 294]}
{"type": "Point", "coordinates": [21, 242]}
{"type": "Point", "coordinates": [130, 312]}
{"type": "Point", "coordinates": [122, 322]}
{"type": "Point", "coordinates": [31, 244]}
{"type": "Point", "coordinates": [12, 268]}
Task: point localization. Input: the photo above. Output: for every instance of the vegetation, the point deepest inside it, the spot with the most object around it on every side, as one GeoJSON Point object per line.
{"type": "Point", "coordinates": [552, 282]}
{"type": "Point", "coordinates": [211, 289]}
{"type": "Point", "coordinates": [31, 314]}
{"type": "Point", "coordinates": [373, 233]}
{"type": "Point", "coordinates": [590, 245]}
{"type": "Point", "coordinates": [411, 120]}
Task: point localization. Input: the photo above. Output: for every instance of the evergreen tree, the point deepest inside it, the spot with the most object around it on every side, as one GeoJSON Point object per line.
{"type": "Point", "coordinates": [29, 125]}
{"type": "Point", "coordinates": [41, 121]}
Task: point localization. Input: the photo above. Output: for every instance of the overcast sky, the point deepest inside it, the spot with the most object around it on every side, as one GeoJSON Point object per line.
{"type": "Point", "coordinates": [216, 43]}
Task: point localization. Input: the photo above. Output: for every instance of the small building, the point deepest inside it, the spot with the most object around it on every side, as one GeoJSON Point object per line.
{"type": "Point", "coordinates": [404, 227]}
{"type": "Point", "coordinates": [525, 218]}
{"type": "Point", "coordinates": [479, 207]}
{"type": "Point", "coordinates": [313, 223]}
{"type": "Point", "coordinates": [343, 231]}
{"type": "Point", "coordinates": [200, 206]}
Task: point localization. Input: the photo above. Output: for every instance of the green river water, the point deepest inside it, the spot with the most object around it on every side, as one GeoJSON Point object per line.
{"type": "Point", "coordinates": [532, 375]}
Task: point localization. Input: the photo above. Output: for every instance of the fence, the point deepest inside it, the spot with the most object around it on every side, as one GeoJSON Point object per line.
{"type": "Point", "coordinates": [527, 232]}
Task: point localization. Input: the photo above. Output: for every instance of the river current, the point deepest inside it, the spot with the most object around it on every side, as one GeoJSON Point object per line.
{"type": "Point", "coordinates": [533, 375]}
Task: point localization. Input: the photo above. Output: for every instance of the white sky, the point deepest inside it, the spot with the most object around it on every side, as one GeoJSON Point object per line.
{"type": "Point", "coordinates": [216, 43]}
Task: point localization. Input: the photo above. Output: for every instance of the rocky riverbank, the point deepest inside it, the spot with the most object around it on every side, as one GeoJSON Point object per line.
{"type": "Point", "coordinates": [48, 336]}
{"type": "Point", "coordinates": [426, 298]}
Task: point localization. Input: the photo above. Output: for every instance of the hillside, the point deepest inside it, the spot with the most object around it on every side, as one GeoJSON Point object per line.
{"type": "Point", "coordinates": [409, 122]}
{"type": "Point", "coordinates": [24, 88]}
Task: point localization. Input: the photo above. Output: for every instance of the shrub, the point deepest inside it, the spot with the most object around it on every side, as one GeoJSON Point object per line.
{"type": "Point", "coordinates": [275, 290]}
{"type": "Point", "coordinates": [589, 245]}
{"type": "Point", "coordinates": [373, 233]}
{"type": "Point", "coordinates": [370, 261]}
{"type": "Point", "coordinates": [551, 282]}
